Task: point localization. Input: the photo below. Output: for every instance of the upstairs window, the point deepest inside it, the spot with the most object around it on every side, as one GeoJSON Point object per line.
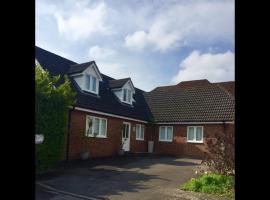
{"type": "Point", "coordinates": [127, 96]}
{"type": "Point", "coordinates": [91, 83]}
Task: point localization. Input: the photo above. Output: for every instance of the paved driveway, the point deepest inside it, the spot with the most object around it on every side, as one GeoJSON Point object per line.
{"type": "Point", "coordinates": [119, 178]}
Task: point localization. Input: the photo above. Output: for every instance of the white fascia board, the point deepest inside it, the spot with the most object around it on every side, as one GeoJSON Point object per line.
{"type": "Point", "coordinates": [108, 114]}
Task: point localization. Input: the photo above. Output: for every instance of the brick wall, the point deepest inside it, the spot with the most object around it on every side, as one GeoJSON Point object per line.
{"type": "Point", "coordinates": [180, 147]}
{"type": "Point", "coordinates": [99, 147]}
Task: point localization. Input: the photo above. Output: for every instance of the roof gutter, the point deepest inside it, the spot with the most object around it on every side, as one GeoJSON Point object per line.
{"type": "Point", "coordinates": [217, 122]}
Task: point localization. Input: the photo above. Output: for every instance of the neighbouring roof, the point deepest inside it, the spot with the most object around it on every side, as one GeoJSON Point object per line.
{"type": "Point", "coordinates": [119, 83]}
{"type": "Point", "coordinates": [191, 101]}
{"type": "Point", "coordinates": [229, 86]}
{"type": "Point", "coordinates": [106, 101]}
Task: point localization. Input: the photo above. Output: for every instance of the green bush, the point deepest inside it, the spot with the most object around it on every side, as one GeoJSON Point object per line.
{"type": "Point", "coordinates": [51, 114]}
{"type": "Point", "coordinates": [211, 183]}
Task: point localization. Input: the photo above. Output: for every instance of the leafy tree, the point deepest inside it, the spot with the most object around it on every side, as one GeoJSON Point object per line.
{"type": "Point", "coordinates": [53, 99]}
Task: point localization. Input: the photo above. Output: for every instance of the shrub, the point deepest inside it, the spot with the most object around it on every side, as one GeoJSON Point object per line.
{"type": "Point", "coordinates": [211, 183]}
{"type": "Point", "coordinates": [221, 156]}
{"type": "Point", "coordinates": [53, 99]}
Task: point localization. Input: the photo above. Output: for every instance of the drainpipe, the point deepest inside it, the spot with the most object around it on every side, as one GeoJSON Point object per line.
{"type": "Point", "coordinates": [69, 118]}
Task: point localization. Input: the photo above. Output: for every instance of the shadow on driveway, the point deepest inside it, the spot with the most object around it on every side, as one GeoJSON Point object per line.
{"type": "Point", "coordinates": [121, 178]}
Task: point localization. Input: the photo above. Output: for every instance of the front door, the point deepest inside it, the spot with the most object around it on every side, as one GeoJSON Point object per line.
{"type": "Point", "coordinates": [126, 136]}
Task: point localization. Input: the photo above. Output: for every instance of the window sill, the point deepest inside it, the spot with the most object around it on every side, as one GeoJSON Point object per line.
{"type": "Point", "coordinates": [91, 136]}
{"type": "Point", "coordinates": [165, 140]}
{"type": "Point", "coordinates": [196, 142]}
{"type": "Point", "coordinates": [139, 139]}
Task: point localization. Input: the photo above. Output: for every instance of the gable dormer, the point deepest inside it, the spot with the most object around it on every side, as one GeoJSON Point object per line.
{"type": "Point", "coordinates": [87, 76]}
{"type": "Point", "coordinates": [123, 89]}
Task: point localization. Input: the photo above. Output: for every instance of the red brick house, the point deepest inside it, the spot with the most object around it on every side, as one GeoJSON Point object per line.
{"type": "Point", "coordinates": [110, 113]}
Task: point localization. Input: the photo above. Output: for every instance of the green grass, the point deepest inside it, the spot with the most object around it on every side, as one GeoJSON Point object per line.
{"type": "Point", "coordinates": [212, 183]}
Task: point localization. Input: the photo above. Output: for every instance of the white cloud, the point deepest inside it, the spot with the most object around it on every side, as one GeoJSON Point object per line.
{"type": "Point", "coordinates": [101, 53]}
{"type": "Point", "coordinates": [184, 24]}
{"type": "Point", "coordinates": [81, 21]}
{"type": "Point", "coordinates": [214, 67]}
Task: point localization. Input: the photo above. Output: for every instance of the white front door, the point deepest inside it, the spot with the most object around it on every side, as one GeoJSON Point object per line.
{"type": "Point", "coordinates": [126, 136]}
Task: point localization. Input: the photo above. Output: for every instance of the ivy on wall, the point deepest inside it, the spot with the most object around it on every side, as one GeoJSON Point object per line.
{"type": "Point", "coordinates": [52, 101]}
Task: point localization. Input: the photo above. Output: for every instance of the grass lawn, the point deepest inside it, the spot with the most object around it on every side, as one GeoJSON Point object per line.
{"type": "Point", "coordinates": [212, 183]}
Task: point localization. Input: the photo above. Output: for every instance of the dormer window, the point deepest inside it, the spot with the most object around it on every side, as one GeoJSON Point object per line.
{"type": "Point", "coordinates": [127, 95]}
{"type": "Point", "coordinates": [91, 83]}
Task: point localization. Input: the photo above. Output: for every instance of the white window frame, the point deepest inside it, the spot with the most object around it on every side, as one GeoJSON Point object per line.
{"type": "Point", "coordinates": [141, 127]}
{"type": "Point", "coordinates": [166, 140]}
{"type": "Point", "coordinates": [90, 84]}
{"type": "Point", "coordinates": [130, 92]}
{"type": "Point", "coordinates": [195, 132]}
{"type": "Point", "coordinates": [99, 128]}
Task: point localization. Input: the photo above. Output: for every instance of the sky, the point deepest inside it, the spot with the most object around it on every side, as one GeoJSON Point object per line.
{"type": "Point", "coordinates": [154, 42]}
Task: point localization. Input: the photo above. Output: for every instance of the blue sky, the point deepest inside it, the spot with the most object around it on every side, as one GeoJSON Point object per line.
{"type": "Point", "coordinates": [155, 42]}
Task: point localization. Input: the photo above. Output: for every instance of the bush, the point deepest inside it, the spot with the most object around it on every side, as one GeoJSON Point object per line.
{"type": "Point", "coordinates": [211, 183]}
{"type": "Point", "coordinates": [53, 99]}
{"type": "Point", "coordinates": [221, 156]}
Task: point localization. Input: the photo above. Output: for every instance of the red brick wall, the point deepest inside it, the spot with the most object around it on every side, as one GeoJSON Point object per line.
{"type": "Point", "coordinates": [179, 146]}
{"type": "Point", "coordinates": [99, 147]}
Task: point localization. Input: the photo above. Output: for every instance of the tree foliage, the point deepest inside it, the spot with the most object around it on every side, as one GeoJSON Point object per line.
{"type": "Point", "coordinates": [52, 102]}
{"type": "Point", "coordinates": [221, 156]}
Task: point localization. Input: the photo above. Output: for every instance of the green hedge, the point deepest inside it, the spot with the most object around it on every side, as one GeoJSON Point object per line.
{"type": "Point", "coordinates": [211, 183]}
{"type": "Point", "coordinates": [51, 114]}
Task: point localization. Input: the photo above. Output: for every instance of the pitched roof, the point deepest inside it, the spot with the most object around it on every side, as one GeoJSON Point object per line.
{"type": "Point", "coordinates": [77, 68]}
{"type": "Point", "coordinates": [191, 101]}
{"type": "Point", "coordinates": [118, 83]}
{"type": "Point", "coordinates": [106, 101]}
{"type": "Point", "coordinates": [229, 86]}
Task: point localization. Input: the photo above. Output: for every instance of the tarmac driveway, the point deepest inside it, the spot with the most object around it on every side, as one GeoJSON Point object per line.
{"type": "Point", "coordinates": [119, 178]}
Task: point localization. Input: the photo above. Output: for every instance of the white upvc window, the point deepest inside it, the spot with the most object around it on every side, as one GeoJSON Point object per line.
{"type": "Point", "coordinates": [139, 132]}
{"type": "Point", "coordinates": [91, 83]}
{"type": "Point", "coordinates": [127, 95]}
{"type": "Point", "coordinates": [96, 127]}
{"type": "Point", "coordinates": [165, 133]}
{"type": "Point", "coordinates": [195, 134]}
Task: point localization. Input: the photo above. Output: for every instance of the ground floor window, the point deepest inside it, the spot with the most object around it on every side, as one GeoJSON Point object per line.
{"type": "Point", "coordinates": [96, 126]}
{"type": "Point", "coordinates": [166, 133]}
{"type": "Point", "coordinates": [195, 134]}
{"type": "Point", "coordinates": [139, 132]}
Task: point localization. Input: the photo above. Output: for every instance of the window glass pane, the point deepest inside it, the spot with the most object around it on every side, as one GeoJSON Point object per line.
{"type": "Point", "coordinates": [169, 133]}
{"type": "Point", "coordinates": [162, 133]}
{"type": "Point", "coordinates": [128, 95]}
{"type": "Point", "coordinates": [89, 123]}
{"type": "Point", "coordinates": [103, 127]}
{"type": "Point", "coordinates": [199, 134]}
{"type": "Point", "coordinates": [96, 126]}
{"type": "Point", "coordinates": [87, 82]}
{"type": "Point", "coordinates": [137, 131]}
{"type": "Point", "coordinates": [94, 82]}
{"type": "Point", "coordinates": [142, 132]}
{"type": "Point", "coordinates": [125, 95]}
{"type": "Point", "coordinates": [190, 133]}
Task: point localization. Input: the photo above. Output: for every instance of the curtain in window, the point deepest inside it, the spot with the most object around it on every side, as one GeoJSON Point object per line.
{"type": "Point", "coordinates": [87, 82]}
{"type": "Point", "coordinates": [199, 134]}
{"type": "Point", "coordinates": [142, 132]}
{"type": "Point", "coordinates": [89, 125]}
{"type": "Point", "coordinates": [96, 126]}
{"type": "Point", "coordinates": [162, 133]}
{"type": "Point", "coordinates": [103, 127]}
{"type": "Point", "coordinates": [169, 133]}
{"type": "Point", "coordinates": [137, 131]}
{"type": "Point", "coordinates": [191, 133]}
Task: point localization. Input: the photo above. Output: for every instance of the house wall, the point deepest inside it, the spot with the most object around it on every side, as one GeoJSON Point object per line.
{"type": "Point", "coordinates": [100, 147]}
{"type": "Point", "coordinates": [180, 147]}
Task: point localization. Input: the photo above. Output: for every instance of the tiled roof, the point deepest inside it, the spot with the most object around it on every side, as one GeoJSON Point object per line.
{"type": "Point", "coordinates": [77, 68]}
{"type": "Point", "coordinates": [228, 86]}
{"type": "Point", "coordinates": [118, 83]}
{"type": "Point", "coordinates": [192, 101]}
{"type": "Point", "coordinates": [106, 101]}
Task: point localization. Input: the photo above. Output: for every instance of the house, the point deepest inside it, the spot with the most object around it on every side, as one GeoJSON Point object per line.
{"type": "Point", "coordinates": [112, 112]}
